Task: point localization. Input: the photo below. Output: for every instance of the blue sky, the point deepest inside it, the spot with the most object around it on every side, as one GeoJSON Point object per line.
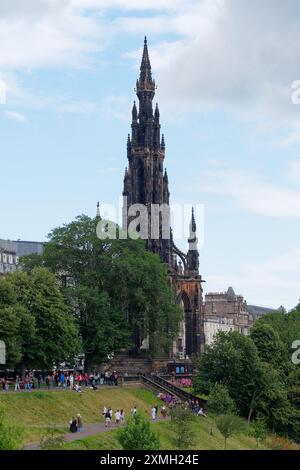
{"type": "Point", "coordinates": [224, 70]}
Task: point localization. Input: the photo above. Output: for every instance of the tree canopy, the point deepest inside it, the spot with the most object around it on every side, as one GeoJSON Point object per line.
{"type": "Point", "coordinates": [118, 292]}
{"type": "Point", "coordinates": [35, 323]}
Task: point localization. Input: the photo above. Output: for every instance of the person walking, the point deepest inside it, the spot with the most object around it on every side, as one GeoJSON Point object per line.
{"type": "Point", "coordinates": [134, 411]}
{"type": "Point", "coordinates": [117, 417]}
{"type": "Point", "coordinates": [107, 418]}
{"type": "Point", "coordinates": [17, 384]}
{"type": "Point", "coordinates": [153, 413]}
{"type": "Point", "coordinates": [79, 423]}
{"type": "Point", "coordinates": [73, 425]}
{"type": "Point", "coordinates": [122, 416]}
{"type": "Point", "coordinates": [164, 411]}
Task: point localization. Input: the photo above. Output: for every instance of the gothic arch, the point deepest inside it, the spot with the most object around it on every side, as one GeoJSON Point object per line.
{"type": "Point", "coordinates": [190, 323]}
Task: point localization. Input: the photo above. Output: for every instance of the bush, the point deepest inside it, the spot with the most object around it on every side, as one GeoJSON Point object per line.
{"type": "Point", "coordinates": [51, 441]}
{"type": "Point", "coordinates": [182, 426]}
{"type": "Point", "coordinates": [137, 435]}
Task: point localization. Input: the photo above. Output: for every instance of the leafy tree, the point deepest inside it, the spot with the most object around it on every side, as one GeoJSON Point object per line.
{"type": "Point", "coordinates": [228, 425]}
{"type": "Point", "coordinates": [258, 431]}
{"type": "Point", "coordinates": [269, 345]}
{"type": "Point", "coordinates": [182, 426]}
{"type": "Point", "coordinates": [137, 435]}
{"type": "Point", "coordinates": [287, 325]}
{"type": "Point", "coordinates": [118, 291]}
{"type": "Point", "coordinates": [254, 385]}
{"type": "Point", "coordinates": [39, 327]}
{"type": "Point", "coordinates": [219, 400]}
{"type": "Point", "coordinates": [10, 334]}
{"type": "Point", "coordinates": [232, 360]}
{"type": "Point", "coordinates": [10, 436]}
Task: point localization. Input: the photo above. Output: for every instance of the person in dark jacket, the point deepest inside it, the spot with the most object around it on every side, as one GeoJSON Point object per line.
{"type": "Point", "coordinates": [73, 425]}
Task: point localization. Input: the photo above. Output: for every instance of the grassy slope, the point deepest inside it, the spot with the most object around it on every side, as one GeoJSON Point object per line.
{"type": "Point", "coordinates": [35, 411]}
{"type": "Point", "coordinates": [203, 439]}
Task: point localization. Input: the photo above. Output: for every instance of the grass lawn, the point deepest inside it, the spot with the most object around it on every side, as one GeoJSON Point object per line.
{"type": "Point", "coordinates": [36, 411]}
{"type": "Point", "coordinates": [203, 439]}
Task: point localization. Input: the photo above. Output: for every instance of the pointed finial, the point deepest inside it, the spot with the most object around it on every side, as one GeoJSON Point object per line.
{"type": "Point", "coordinates": [134, 112]}
{"type": "Point", "coordinates": [145, 40]}
{"type": "Point", "coordinates": [156, 112]}
{"type": "Point", "coordinates": [98, 211]}
{"type": "Point", "coordinates": [166, 175]}
{"type": "Point", "coordinates": [163, 141]}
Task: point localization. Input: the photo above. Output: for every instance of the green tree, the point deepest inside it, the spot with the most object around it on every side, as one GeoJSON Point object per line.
{"type": "Point", "coordinates": [232, 360]}
{"type": "Point", "coordinates": [10, 334]}
{"type": "Point", "coordinates": [259, 431]}
{"type": "Point", "coordinates": [182, 426]}
{"type": "Point", "coordinates": [254, 385]}
{"type": "Point", "coordinates": [269, 345]}
{"type": "Point", "coordinates": [219, 400]}
{"type": "Point", "coordinates": [228, 425]}
{"type": "Point", "coordinates": [42, 328]}
{"type": "Point", "coordinates": [137, 435]}
{"type": "Point", "coordinates": [118, 291]}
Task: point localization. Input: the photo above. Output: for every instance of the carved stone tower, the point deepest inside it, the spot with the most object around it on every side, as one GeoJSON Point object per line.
{"type": "Point", "coordinates": [146, 183]}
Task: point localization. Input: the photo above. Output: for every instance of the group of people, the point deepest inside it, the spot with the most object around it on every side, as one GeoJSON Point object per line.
{"type": "Point", "coordinates": [60, 379]}
{"type": "Point", "coordinates": [76, 424]}
{"type": "Point", "coordinates": [108, 416]}
{"type": "Point", "coordinates": [196, 408]}
{"type": "Point", "coordinates": [154, 412]}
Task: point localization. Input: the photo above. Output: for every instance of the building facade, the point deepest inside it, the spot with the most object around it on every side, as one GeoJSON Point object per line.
{"type": "Point", "coordinates": [225, 311]}
{"type": "Point", "coordinates": [146, 184]}
{"type": "Point", "coordinates": [10, 252]}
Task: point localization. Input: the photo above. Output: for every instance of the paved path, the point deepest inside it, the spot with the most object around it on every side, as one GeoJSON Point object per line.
{"type": "Point", "coordinates": [88, 430]}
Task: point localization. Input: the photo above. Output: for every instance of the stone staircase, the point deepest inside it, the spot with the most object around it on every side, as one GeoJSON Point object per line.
{"type": "Point", "coordinates": [125, 364]}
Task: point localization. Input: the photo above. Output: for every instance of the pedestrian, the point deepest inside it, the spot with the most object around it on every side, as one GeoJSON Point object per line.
{"type": "Point", "coordinates": [17, 383]}
{"type": "Point", "coordinates": [117, 417]}
{"type": "Point", "coordinates": [153, 413]}
{"type": "Point", "coordinates": [79, 423]}
{"type": "Point", "coordinates": [107, 418]}
{"type": "Point", "coordinates": [134, 411]}
{"type": "Point", "coordinates": [73, 425]}
{"type": "Point", "coordinates": [122, 416]}
{"type": "Point", "coordinates": [164, 411]}
{"type": "Point", "coordinates": [48, 381]}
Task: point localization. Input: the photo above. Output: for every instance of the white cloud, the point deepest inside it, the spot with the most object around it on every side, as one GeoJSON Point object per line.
{"type": "Point", "coordinates": [233, 54]}
{"type": "Point", "coordinates": [14, 116]}
{"type": "Point", "coordinates": [46, 33]}
{"type": "Point", "coordinates": [294, 171]}
{"type": "Point", "coordinates": [270, 283]}
{"type": "Point", "coordinates": [252, 192]}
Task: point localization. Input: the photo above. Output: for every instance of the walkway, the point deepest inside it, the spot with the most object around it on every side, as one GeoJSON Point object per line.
{"type": "Point", "coordinates": [88, 430]}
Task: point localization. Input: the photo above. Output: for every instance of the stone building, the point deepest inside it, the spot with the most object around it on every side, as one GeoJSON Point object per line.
{"type": "Point", "coordinates": [8, 257]}
{"type": "Point", "coordinates": [146, 183]}
{"type": "Point", "coordinates": [225, 311]}
{"type": "Point", "coordinates": [10, 251]}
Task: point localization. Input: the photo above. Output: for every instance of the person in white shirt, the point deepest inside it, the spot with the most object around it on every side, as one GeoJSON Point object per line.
{"type": "Point", "coordinates": [117, 416]}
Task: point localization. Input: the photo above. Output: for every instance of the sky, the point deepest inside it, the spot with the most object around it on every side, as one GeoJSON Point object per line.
{"type": "Point", "coordinates": [225, 71]}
